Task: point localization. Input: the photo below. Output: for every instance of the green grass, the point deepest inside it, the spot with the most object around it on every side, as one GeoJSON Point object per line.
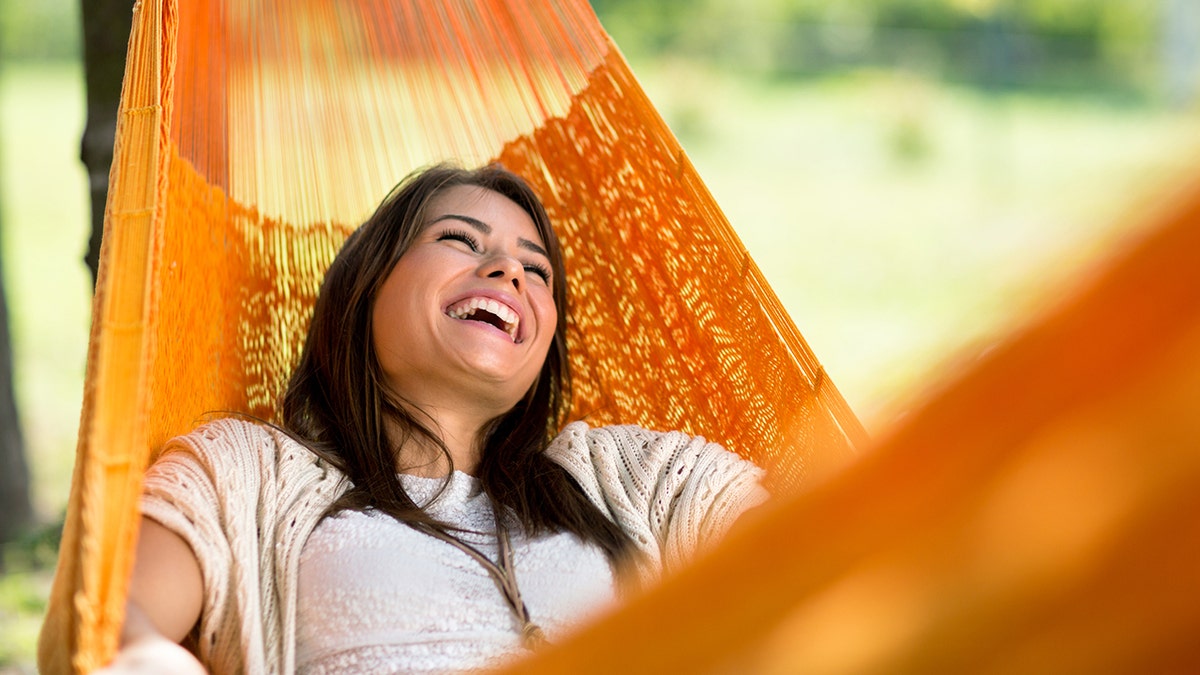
{"type": "Point", "coordinates": [22, 602]}
{"type": "Point", "coordinates": [24, 588]}
{"type": "Point", "coordinates": [43, 221]}
{"type": "Point", "coordinates": [905, 225]}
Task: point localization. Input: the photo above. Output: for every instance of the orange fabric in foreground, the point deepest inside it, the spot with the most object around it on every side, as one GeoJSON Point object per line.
{"type": "Point", "coordinates": [1037, 514]}
{"type": "Point", "coordinates": [253, 137]}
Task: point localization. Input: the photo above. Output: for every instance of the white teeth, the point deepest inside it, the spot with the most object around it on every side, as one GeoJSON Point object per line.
{"type": "Point", "coordinates": [465, 309]}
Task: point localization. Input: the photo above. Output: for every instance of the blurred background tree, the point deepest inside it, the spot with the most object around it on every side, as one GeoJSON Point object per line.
{"type": "Point", "coordinates": [106, 26]}
{"type": "Point", "coordinates": [1053, 45]}
{"type": "Point", "coordinates": [40, 31]}
{"type": "Point", "coordinates": [28, 32]}
{"type": "Point", "coordinates": [16, 506]}
{"type": "Point", "coordinates": [44, 281]}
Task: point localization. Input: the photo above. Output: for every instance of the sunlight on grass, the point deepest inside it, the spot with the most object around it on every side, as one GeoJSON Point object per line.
{"type": "Point", "coordinates": [22, 602]}
{"type": "Point", "coordinates": [905, 224]}
{"type": "Point", "coordinates": [45, 223]}
{"type": "Point", "coordinates": [24, 588]}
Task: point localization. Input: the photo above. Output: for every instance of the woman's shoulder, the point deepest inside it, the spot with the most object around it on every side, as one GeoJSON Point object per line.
{"type": "Point", "coordinates": [579, 436]}
{"type": "Point", "coordinates": [669, 490]}
{"type": "Point", "coordinates": [227, 442]}
{"type": "Point", "coordinates": [228, 432]}
{"type": "Point", "coordinates": [231, 428]}
{"type": "Point", "coordinates": [582, 431]}
{"type": "Point", "coordinates": [624, 448]}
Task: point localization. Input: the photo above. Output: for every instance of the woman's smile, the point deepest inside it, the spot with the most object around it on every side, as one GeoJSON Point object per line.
{"type": "Point", "coordinates": [499, 313]}
{"type": "Point", "coordinates": [467, 313]}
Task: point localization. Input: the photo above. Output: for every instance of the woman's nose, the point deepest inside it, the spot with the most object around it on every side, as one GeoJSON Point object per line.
{"type": "Point", "coordinates": [504, 267]}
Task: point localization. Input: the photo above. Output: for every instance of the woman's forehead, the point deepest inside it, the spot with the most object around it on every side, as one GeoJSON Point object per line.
{"type": "Point", "coordinates": [467, 196]}
{"type": "Point", "coordinates": [485, 207]}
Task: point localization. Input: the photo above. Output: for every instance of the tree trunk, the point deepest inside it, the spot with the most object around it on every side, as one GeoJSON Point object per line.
{"type": "Point", "coordinates": [106, 26]}
{"type": "Point", "coordinates": [16, 509]}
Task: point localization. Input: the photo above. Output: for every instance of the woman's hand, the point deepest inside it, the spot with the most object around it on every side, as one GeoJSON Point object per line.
{"type": "Point", "coordinates": [153, 654]}
{"type": "Point", "coordinates": [145, 650]}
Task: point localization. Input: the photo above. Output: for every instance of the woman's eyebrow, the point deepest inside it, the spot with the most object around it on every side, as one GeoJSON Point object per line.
{"type": "Point", "coordinates": [532, 246]}
{"type": "Point", "coordinates": [473, 222]}
{"type": "Point", "coordinates": [487, 229]}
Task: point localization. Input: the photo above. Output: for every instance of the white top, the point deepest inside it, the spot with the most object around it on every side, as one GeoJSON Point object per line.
{"type": "Point", "coordinates": [246, 498]}
{"type": "Point", "coordinates": [375, 595]}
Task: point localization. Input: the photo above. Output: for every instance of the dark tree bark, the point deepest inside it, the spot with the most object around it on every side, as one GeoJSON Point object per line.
{"type": "Point", "coordinates": [106, 26]}
{"type": "Point", "coordinates": [16, 509]}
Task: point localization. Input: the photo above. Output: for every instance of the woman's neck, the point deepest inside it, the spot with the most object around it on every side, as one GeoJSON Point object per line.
{"type": "Point", "coordinates": [460, 433]}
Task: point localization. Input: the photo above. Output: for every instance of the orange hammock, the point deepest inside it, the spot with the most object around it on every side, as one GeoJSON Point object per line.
{"type": "Point", "coordinates": [253, 136]}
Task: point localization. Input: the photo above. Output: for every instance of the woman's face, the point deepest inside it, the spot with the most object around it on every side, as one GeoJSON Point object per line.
{"type": "Point", "coordinates": [467, 314]}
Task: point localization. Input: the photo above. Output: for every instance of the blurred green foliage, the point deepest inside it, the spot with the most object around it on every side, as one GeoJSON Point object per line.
{"type": "Point", "coordinates": [40, 30]}
{"type": "Point", "coordinates": [1072, 45]}
{"type": "Point", "coordinates": [25, 566]}
{"type": "Point", "coordinates": [1077, 45]}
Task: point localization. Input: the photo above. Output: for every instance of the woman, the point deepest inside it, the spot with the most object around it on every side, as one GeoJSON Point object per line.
{"type": "Point", "coordinates": [417, 512]}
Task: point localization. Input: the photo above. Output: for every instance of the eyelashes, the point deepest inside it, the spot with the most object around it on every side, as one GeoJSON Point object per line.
{"type": "Point", "coordinates": [460, 235]}
{"type": "Point", "coordinates": [472, 243]}
{"type": "Point", "coordinates": [540, 270]}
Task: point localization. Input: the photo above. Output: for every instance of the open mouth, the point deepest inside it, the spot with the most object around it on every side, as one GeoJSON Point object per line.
{"type": "Point", "coordinates": [486, 311]}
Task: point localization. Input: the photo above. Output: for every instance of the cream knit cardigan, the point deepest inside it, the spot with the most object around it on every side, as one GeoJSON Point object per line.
{"type": "Point", "coordinates": [245, 497]}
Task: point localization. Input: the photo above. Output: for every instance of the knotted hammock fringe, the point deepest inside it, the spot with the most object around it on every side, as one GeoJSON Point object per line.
{"type": "Point", "coordinates": [1003, 522]}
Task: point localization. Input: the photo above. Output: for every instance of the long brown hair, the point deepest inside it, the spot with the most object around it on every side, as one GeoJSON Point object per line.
{"type": "Point", "coordinates": [337, 402]}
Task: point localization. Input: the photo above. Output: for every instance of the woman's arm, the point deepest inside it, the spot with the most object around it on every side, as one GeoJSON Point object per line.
{"type": "Point", "coordinates": [166, 594]}
{"type": "Point", "coordinates": [167, 585]}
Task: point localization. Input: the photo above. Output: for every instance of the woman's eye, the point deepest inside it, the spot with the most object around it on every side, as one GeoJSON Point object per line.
{"type": "Point", "coordinates": [458, 235]}
{"type": "Point", "coordinates": [540, 270]}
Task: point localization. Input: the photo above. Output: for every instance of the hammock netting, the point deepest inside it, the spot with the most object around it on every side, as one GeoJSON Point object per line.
{"type": "Point", "coordinates": [1019, 518]}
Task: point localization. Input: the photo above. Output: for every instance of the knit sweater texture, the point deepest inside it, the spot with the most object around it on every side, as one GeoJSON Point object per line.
{"type": "Point", "coordinates": [245, 497]}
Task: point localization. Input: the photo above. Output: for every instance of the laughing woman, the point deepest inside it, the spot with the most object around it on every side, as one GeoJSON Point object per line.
{"type": "Point", "coordinates": [419, 509]}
